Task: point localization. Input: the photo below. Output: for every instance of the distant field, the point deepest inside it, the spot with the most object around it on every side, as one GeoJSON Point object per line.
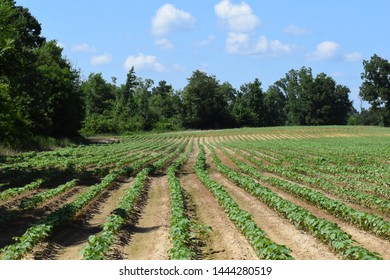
{"type": "Point", "coordinates": [266, 193]}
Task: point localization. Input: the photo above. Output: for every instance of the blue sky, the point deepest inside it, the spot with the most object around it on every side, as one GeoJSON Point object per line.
{"type": "Point", "coordinates": [237, 41]}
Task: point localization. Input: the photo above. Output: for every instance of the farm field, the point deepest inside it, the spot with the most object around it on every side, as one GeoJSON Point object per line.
{"type": "Point", "coordinates": [304, 193]}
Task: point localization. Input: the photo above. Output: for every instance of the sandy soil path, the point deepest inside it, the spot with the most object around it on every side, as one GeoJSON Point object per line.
{"type": "Point", "coordinates": [224, 242]}
{"type": "Point", "coordinates": [150, 237]}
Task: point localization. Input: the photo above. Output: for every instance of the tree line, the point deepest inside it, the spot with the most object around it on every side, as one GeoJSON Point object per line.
{"type": "Point", "coordinates": [42, 95]}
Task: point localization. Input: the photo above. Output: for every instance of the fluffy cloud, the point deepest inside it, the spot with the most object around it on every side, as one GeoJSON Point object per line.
{"type": "Point", "coordinates": [83, 47]}
{"type": "Point", "coordinates": [143, 62]}
{"type": "Point", "coordinates": [164, 43]}
{"type": "Point", "coordinates": [206, 41]}
{"type": "Point", "coordinates": [324, 51]}
{"type": "Point", "coordinates": [101, 59]}
{"type": "Point", "coordinates": [238, 18]}
{"type": "Point", "coordinates": [237, 42]}
{"type": "Point", "coordinates": [295, 30]}
{"type": "Point", "coordinates": [241, 43]}
{"type": "Point", "coordinates": [168, 19]}
{"type": "Point", "coordinates": [352, 57]}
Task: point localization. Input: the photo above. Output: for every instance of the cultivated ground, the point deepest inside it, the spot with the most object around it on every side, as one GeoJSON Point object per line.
{"type": "Point", "coordinates": [301, 193]}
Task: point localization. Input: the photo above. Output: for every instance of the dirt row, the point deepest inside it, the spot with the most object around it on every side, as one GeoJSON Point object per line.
{"type": "Point", "coordinates": [146, 235]}
{"type": "Point", "coordinates": [362, 238]}
{"type": "Point", "coordinates": [18, 220]}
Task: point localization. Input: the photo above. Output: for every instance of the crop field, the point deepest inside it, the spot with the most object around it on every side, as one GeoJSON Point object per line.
{"type": "Point", "coordinates": [305, 193]}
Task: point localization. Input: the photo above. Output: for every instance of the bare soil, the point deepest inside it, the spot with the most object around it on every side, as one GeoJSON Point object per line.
{"type": "Point", "coordinates": [386, 216]}
{"type": "Point", "coordinates": [68, 241]}
{"type": "Point", "coordinates": [74, 250]}
{"type": "Point", "coordinates": [18, 221]}
{"type": "Point", "coordinates": [363, 238]}
{"type": "Point", "coordinates": [302, 245]}
{"type": "Point", "coordinates": [224, 241]}
{"type": "Point", "coordinates": [150, 236]}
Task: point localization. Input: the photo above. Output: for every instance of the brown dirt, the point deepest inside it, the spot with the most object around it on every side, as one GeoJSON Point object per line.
{"type": "Point", "coordinates": [73, 251]}
{"type": "Point", "coordinates": [67, 241]}
{"type": "Point", "coordinates": [150, 238]}
{"type": "Point", "coordinates": [224, 242]}
{"type": "Point", "coordinates": [363, 238]}
{"type": "Point", "coordinates": [21, 220]}
{"type": "Point", "coordinates": [385, 216]}
{"type": "Point", "coordinates": [302, 245]}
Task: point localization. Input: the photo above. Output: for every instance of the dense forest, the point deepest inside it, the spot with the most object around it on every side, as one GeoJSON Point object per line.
{"type": "Point", "coordinates": [42, 95]}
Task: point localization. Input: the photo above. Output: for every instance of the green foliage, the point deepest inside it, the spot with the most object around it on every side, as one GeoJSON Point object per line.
{"type": "Point", "coordinates": [376, 85]}
{"type": "Point", "coordinates": [181, 227]}
{"type": "Point", "coordinates": [42, 85]}
{"type": "Point", "coordinates": [365, 221]}
{"type": "Point", "coordinates": [263, 246]}
{"type": "Point", "coordinates": [275, 107]}
{"type": "Point", "coordinates": [99, 245]}
{"type": "Point", "coordinates": [249, 107]}
{"type": "Point", "coordinates": [325, 231]}
{"type": "Point", "coordinates": [17, 191]}
{"type": "Point", "coordinates": [314, 101]}
{"type": "Point", "coordinates": [204, 103]}
{"type": "Point", "coordinates": [44, 196]}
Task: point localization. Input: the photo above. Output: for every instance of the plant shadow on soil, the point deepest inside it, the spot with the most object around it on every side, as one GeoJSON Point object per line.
{"type": "Point", "coordinates": [14, 221]}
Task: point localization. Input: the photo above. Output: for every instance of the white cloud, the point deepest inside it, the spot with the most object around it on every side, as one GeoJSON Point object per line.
{"type": "Point", "coordinates": [164, 43]}
{"type": "Point", "coordinates": [324, 51]}
{"type": "Point", "coordinates": [352, 57]}
{"type": "Point", "coordinates": [101, 59]}
{"type": "Point", "coordinates": [83, 47]}
{"type": "Point", "coordinates": [143, 62]}
{"type": "Point", "coordinates": [262, 45]}
{"type": "Point", "coordinates": [238, 18]}
{"type": "Point", "coordinates": [278, 47]}
{"type": "Point", "coordinates": [168, 19]}
{"type": "Point", "coordinates": [241, 43]}
{"type": "Point", "coordinates": [237, 42]}
{"type": "Point", "coordinates": [295, 30]}
{"type": "Point", "coordinates": [206, 41]}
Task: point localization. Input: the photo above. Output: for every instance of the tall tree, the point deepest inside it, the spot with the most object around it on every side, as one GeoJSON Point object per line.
{"type": "Point", "coordinates": [275, 103]}
{"type": "Point", "coordinates": [376, 85]}
{"type": "Point", "coordinates": [100, 99]}
{"type": "Point", "coordinates": [57, 106]}
{"type": "Point", "coordinates": [314, 101]}
{"type": "Point", "coordinates": [204, 104]}
{"type": "Point", "coordinates": [330, 102]}
{"type": "Point", "coordinates": [297, 87]}
{"type": "Point", "coordinates": [250, 108]}
{"type": "Point", "coordinates": [42, 85]}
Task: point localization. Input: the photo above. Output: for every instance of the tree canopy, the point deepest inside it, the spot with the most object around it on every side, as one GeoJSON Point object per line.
{"type": "Point", "coordinates": [43, 86]}
{"type": "Point", "coordinates": [376, 86]}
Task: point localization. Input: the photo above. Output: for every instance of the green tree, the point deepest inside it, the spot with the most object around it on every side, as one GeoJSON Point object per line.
{"type": "Point", "coordinates": [100, 99]}
{"type": "Point", "coordinates": [204, 103]}
{"type": "Point", "coordinates": [11, 125]}
{"type": "Point", "coordinates": [56, 108]}
{"type": "Point", "coordinates": [314, 101]}
{"type": "Point", "coordinates": [330, 104]}
{"type": "Point", "coordinates": [165, 105]}
{"type": "Point", "coordinates": [376, 85]}
{"type": "Point", "coordinates": [250, 109]}
{"type": "Point", "coordinates": [42, 85]}
{"type": "Point", "coordinates": [144, 118]}
{"type": "Point", "coordinates": [275, 103]}
{"type": "Point", "coordinates": [297, 87]}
